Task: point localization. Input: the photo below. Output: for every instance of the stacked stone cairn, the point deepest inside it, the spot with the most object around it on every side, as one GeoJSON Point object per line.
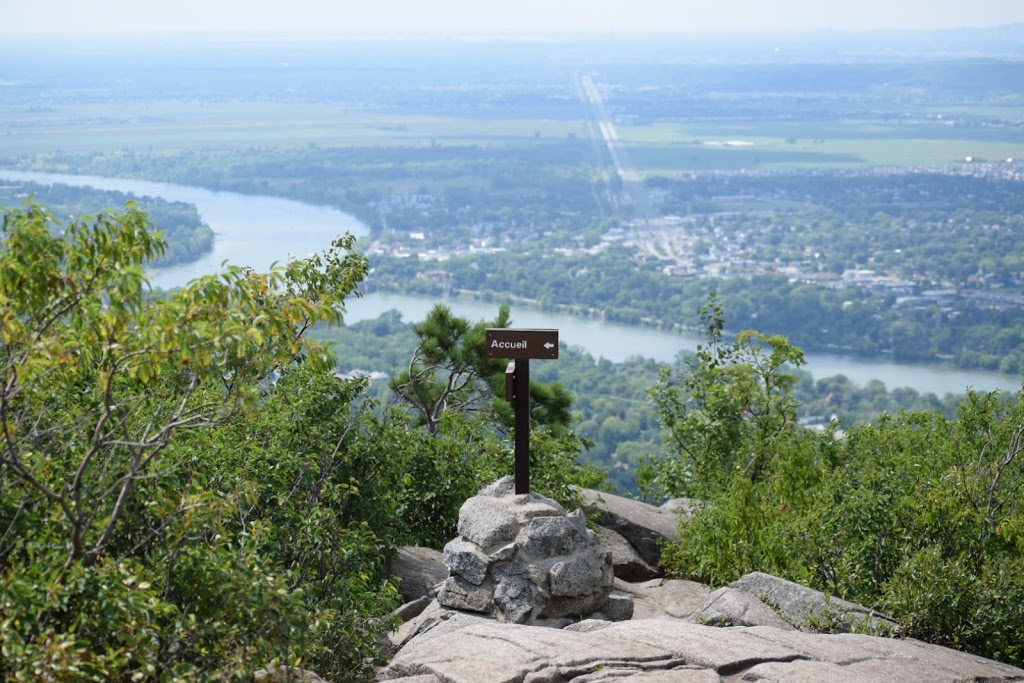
{"type": "Point", "coordinates": [523, 560]}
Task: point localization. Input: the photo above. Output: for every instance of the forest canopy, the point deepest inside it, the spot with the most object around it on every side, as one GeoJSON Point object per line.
{"type": "Point", "coordinates": [186, 236]}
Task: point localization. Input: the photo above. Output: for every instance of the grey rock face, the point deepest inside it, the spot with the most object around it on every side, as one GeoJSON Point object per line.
{"type": "Point", "coordinates": [506, 486]}
{"type": "Point", "coordinates": [733, 607]}
{"type": "Point", "coordinates": [582, 574]}
{"type": "Point", "coordinates": [516, 599]}
{"type": "Point", "coordinates": [431, 621]}
{"type": "Point", "coordinates": [487, 522]}
{"type": "Point", "coordinates": [467, 560]}
{"type": "Point", "coordinates": [801, 605]}
{"type": "Point", "coordinates": [521, 558]}
{"type": "Point", "coordinates": [626, 561]}
{"type": "Point", "coordinates": [458, 593]}
{"type": "Point", "coordinates": [413, 609]}
{"type": "Point", "coordinates": [419, 571]}
{"type": "Point", "coordinates": [471, 650]}
{"type": "Point", "coordinates": [658, 631]}
{"type": "Point", "coordinates": [661, 598]}
{"type": "Point", "coordinates": [617, 608]}
{"type": "Point", "coordinates": [643, 525]}
{"type": "Point", "coordinates": [550, 537]}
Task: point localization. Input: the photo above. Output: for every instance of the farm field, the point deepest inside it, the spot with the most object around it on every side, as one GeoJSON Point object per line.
{"type": "Point", "coordinates": [655, 149]}
{"type": "Point", "coordinates": [766, 153]}
{"type": "Point", "coordinates": [667, 147]}
{"type": "Point", "coordinates": [669, 114]}
{"type": "Point", "coordinates": [175, 126]}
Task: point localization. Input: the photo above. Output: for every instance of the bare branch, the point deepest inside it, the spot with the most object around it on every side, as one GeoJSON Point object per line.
{"type": "Point", "coordinates": [1013, 451]}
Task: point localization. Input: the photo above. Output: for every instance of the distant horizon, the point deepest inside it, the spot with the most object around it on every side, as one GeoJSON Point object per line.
{"type": "Point", "coordinates": [71, 17]}
{"type": "Point", "coordinates": [479, 34]}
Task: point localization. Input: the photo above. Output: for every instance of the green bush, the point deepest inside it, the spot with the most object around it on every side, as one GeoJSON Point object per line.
{"type": "Point", "coordinates": [918, 515]}
{"type": "Point", "coordinates": [138, 540]}
{"type": "Point", "coordinates": [188, 491]}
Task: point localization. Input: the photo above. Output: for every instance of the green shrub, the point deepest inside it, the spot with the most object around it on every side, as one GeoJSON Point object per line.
{"type": "Point", "coordinates": [138, 541]}
{"type": "Point", "coordinates": [919, 516]}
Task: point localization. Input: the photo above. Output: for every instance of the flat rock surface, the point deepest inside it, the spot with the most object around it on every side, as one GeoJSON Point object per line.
{"type": "Point", "coordinates": [733, 607]}
{"type": "Point", "coordinates": [464, 649]}
{"type": "Point", "coordinates": [659, 598]}
{"type": "Point", "coordinates": [800, 604]}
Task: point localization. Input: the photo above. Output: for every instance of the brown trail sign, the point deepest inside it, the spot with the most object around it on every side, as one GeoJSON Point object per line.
{"type": "Point", "coordinates": [522, 345]}
{"type": "Point", "coordinates": [508, 343]}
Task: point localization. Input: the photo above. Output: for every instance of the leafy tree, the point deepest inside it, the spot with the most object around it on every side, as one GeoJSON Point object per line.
{"type": "Point", "coordinates": [457, 392]}
{"type": "Point", "coordinates": [917, 515]}
{"type": "Point", "coordinates": [188, 490]}
{"type": "Point", "coordinates": [729, 413]}
{"type": "Point", "coordinates": [922, 519]}
{"type": "Point", "coordinates": [186, 237]}
{"type": "Point", "coordinates": [118, 557]}
{"type": "Point", "coordinates": [451, 371]}
{"type": "Point", "coordinates": [318, 494]}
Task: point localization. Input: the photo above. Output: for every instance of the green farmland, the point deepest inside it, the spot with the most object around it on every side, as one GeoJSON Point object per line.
{"type": "Point", "coordinates": [664, 148]}
{"type": "Point", "coordinates": [173, 126]}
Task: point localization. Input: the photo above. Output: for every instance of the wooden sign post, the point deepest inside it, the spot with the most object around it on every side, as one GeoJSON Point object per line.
{"type": "Point", "coordinates": [522, 345]}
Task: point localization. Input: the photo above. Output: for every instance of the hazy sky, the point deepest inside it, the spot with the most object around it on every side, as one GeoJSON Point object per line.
{"type": "Point", "coordinates": [63, 16]}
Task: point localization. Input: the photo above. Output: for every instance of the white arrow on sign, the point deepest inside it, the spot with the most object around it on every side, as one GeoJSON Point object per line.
{"type": "Point", "coordinates": [549, 345]}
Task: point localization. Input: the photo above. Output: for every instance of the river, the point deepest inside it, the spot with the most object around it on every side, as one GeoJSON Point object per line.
{"type": "Point", "coordinates": [250, 230]}
{"type": "Point", "coordinates": [618, 342]}
{"type": "Point", "coordinates": [257, 231]}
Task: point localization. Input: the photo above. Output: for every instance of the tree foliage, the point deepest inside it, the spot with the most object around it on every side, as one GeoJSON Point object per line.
{"type": "Point", "coordinates": [918, 515]}
{"type": "Point", "coordinates": [126, 551]}
{"type": "Point", "coordinates": [456, 391]}
{"type": "Point", "coordinates": [84, 348]}
{"type": "Point", "coordinates": [451, 370]}
{"type": "Point", "coordinates": [186, 237]}
{"type": "Point", "coordinates": [189, 491]}
{"type": "Point", "coordinates": [730, 411]}
{"type": "Point", "coordinates": [611, 402]}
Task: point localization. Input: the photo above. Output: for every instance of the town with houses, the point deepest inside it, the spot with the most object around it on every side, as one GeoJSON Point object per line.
{"type": "Point", "coordinates": [701, 246]}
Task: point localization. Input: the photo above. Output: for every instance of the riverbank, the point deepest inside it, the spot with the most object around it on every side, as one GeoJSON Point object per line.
{"type": "Point", "coordinates": [617, 342]}
{"type": "Point", "coordinates": [258, 231]}
{"type": "Point", "coordinates": [250, 230]}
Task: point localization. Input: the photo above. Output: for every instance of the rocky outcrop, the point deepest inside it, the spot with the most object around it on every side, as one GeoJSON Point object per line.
{"type": "Point", "coordinates": [468, 649]}
{"type": "Point", "coordinates": [659, 598]}
{"type": "Point", "coordinates": [645, 527]}
{"type": "Point", "coordinates": [521, 558]}
{"type": "Point", "coordinates": [809, 609]}
{"type": "Point", "coordinates": [626, 561]}
{"type": "Point", "coordinates": [760, 628]}
{"type": "Point", "coordinates": [418, 571]}
{"type": "Point", "coordinates": [734, 607]}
